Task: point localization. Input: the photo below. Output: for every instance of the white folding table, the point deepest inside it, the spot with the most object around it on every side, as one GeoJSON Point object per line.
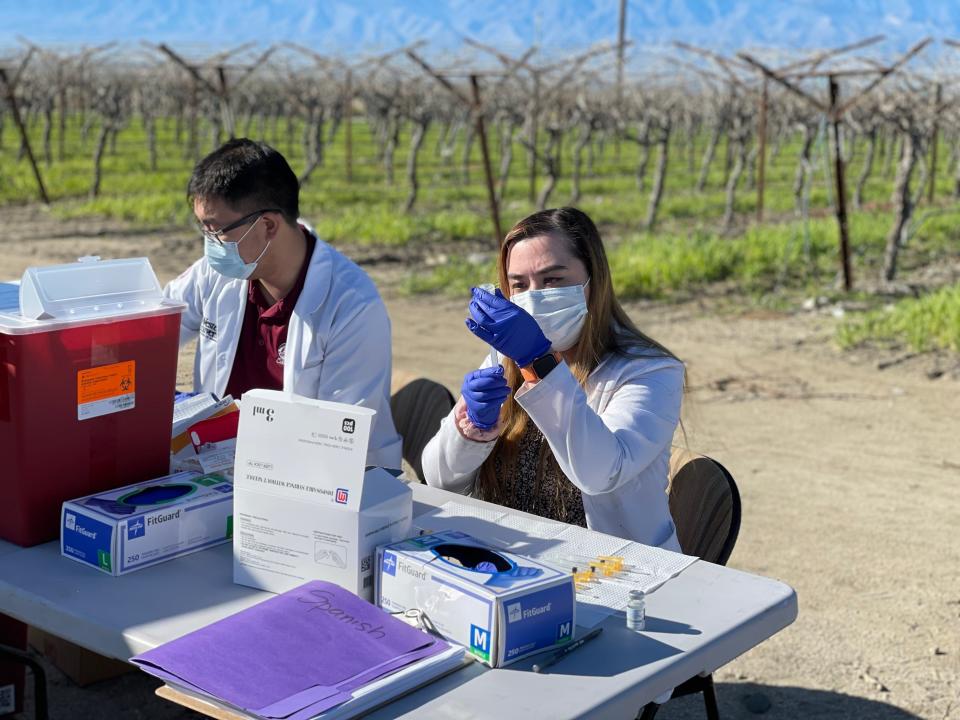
{"type": "Point", "coordinates": [696, 623]}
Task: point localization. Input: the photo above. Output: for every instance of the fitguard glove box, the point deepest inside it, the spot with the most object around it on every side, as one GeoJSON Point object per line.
{"type": "Point", "coordinates": [143, 524]}
{"type": "Point", "coordinates": [501, 607]}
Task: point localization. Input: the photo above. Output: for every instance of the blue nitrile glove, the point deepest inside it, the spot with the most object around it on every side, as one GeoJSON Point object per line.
{"type": "Point", "coordinates": [518, 571]}
{"type": "Point", "coordinates": [508, 328]}
{"type": "Point", "coordinates": [507, 579]}
{"type": "Point", "coordinates": [522, 571]}
{"type": "Point", "coordinates": [484, 392]}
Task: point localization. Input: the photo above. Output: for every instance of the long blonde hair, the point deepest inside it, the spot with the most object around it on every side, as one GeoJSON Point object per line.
{"type": "Point", "coordinates": [607, 329]}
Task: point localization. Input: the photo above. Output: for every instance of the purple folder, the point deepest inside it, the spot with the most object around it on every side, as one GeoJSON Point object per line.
{"type": "Point", "coordinates": [293, 656]}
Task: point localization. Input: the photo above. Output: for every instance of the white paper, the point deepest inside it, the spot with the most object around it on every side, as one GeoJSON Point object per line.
{"type": "Point", "coordinates": [533, 538]}
{"type": "Point", "coordinates": [218, 457]}
{"type": "Point", "coordinates": [581, 541]}
{"type": "Point", "coordinates": [478, 522]}
{"type": "Point", "coordinates": [656, 564]}
{"type": "Point", "coordinates": [190, 406]}
{"type": "Point", "coordinates": [192, 410]}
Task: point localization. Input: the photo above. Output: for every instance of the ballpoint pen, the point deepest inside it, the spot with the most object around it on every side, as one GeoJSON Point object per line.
{"type": "Point", "coordinates": [567, 650]}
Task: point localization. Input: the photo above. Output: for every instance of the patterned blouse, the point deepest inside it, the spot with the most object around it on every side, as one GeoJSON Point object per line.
{"type": "Point", "coordinates": [552, 496]}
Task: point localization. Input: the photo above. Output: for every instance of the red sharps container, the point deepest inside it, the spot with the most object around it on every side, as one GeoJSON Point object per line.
{"type": "Point", "coordinates": [88, 365]}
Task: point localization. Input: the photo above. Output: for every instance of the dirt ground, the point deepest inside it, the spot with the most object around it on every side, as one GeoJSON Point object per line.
{"type": "Point", "coordinates": [849, 474]}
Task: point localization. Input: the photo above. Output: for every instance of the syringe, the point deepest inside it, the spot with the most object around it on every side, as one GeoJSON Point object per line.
{"type": "Point", "coordinates": [607, 566]}
{"type": "Point", "coordinates": [494, 358]}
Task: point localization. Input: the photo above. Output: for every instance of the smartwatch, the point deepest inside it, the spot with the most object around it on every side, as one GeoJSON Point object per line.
{"type": "Point", "coordinates": [540, 368]}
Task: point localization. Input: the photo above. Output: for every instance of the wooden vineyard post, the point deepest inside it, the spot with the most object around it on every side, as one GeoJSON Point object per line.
{"type": "Point", "coordinates": [223, 98]}
{"type": "Point", "coordinates": [534, 121]}
{"type": "Point", "coordinates": [621, 36]}
{"type": "Point", "coordinates": [348, 130]}
{"type": "Point", "coordinates": [841, 186]}
{"type": "Point", "coordinates": [487, 172]}
{"type": "Point", "coordinates": [789, 75]}
{"type": "Point", "coordinates": [934, 137]}
{"type": "Point", "coordinates": [762, 149]}
{"type": "Point", "coordinates": [18, 121]}
{"type": "Point", "coordinates": [476, 106]}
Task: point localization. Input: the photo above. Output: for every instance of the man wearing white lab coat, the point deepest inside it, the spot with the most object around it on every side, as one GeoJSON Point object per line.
{"type": "Point", "coordinates": [273, 305]}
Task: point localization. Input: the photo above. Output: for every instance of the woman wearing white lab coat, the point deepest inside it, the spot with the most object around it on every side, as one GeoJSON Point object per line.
{"type": "Point", "coordinates": [338, 338]}
{"type": "Point", "coordinates": [589, 403]}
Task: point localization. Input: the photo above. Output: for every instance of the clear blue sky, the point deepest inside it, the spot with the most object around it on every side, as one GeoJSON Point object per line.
{"type": "Point", "coordinates": [345, 26]}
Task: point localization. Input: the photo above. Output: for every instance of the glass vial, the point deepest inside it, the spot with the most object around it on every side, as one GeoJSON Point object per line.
{"type": "Point", "coordinates": [636, 611]}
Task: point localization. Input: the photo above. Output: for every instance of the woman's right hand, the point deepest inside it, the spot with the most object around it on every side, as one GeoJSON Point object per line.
{"type": "Point", "coordinates": [482, 395]}
{"type": "Point", "coordinates": [508, 328]}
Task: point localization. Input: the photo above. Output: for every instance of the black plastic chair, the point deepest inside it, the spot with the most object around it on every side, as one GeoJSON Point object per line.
{"type": "Point", "coordinates": [39, 678]}
{"type": "Point", "coordinates": [705, 505]}
{"type": "Point", "coordinates": [417, 409]}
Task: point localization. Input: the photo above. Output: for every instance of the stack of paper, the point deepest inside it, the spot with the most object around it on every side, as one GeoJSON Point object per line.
{"type": "Point", "coordinates": [187, 411]}
{"type": "Point", "coordinates": [190, 409]}
{"type": "Point", "coordinates": [315, 651]}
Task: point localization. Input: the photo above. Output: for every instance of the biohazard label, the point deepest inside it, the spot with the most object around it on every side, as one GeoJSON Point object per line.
{"type": "Point", "coordinates": [106, 389]}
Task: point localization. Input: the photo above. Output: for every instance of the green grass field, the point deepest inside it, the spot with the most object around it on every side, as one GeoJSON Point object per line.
{"type": "Point", "coordinates": [686, 251]}
{"type": "Point", "coordinates": [931, 322]}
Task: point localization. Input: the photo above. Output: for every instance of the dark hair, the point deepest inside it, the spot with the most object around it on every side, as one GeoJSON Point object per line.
{"type": "Point", "coordinates": [608, 329]}
{"type": "Point", "coordinates": [248, 176]}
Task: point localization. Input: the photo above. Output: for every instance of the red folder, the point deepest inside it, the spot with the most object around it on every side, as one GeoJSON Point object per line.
{"type": "Point", "coordinates": [214, 430]}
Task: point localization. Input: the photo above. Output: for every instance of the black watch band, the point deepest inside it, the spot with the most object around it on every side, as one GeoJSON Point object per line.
{"type": "Point", "coordinates": [540, 367]}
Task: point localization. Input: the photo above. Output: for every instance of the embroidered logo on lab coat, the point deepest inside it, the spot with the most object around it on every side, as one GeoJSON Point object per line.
{"type": "Point", "coordinates": [281, 353]}
{"type": "Point", "coordinates": [208, 329]}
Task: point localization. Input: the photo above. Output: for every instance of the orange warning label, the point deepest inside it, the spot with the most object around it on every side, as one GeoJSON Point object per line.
{"type": "Point", "coordinates": [105, 389]}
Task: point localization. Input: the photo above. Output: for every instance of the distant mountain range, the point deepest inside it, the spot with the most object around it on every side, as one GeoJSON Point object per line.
{"type": "Point", "coordinates": [344, 26]}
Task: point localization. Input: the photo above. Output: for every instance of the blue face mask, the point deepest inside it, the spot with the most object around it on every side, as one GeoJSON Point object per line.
{"type": "Point", "coordinates": [224, 257]}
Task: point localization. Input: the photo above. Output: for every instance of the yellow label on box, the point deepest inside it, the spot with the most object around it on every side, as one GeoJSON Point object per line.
{"type": "Point", "coordinates": [106, 389]}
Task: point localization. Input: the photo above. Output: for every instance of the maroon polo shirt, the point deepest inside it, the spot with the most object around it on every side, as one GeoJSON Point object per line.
{"type": "Point", "coordinates": [263, 337]}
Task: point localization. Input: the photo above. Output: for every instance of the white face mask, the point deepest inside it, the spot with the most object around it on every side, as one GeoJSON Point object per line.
{"type": "Point", "coordinates": [560, 312]}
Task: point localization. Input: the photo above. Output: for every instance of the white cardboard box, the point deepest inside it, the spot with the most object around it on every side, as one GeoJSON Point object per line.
{"type": "Point", "coordinates": [305, 506]}
{"type": "Point", "coordinates": [508, 609]}
{"type": "Point", "coordinates": [133, 527]}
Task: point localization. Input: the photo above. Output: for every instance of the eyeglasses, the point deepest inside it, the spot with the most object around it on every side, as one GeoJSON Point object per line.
{"type": "Point", "coordinates": [217, 235]}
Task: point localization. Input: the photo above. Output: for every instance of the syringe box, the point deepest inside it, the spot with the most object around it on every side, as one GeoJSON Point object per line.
{"type": "Point", "coordinates": [307, 507]}
{"type": "Point", "coordinates": [140, 525]}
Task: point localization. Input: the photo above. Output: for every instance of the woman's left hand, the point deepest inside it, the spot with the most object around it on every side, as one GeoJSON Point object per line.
{"type": "Point", "coordinates": [470, 431]}
{"type": "Point", "coordinates": [508, 328]}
